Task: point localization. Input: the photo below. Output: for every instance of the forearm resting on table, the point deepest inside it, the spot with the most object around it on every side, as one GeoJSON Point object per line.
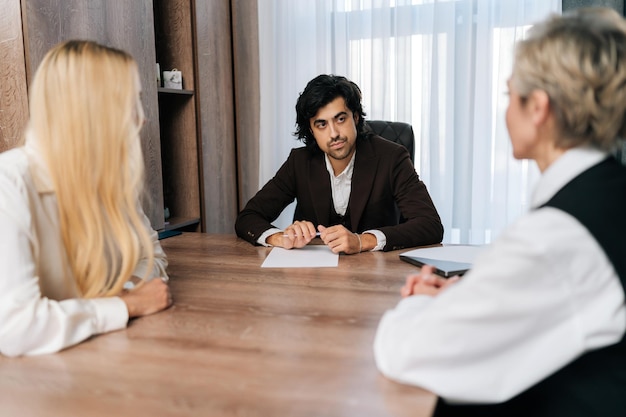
{"type": "Point", "coordinates": [368, 240]}
{"type": "Point", "coordinates": [275, 240]}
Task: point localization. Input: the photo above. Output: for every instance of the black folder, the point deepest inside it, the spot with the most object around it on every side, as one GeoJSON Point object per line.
{"type": "Point", "coordinates": [448, 260]}
{"type": "Point", "coordinates": [446, 269]}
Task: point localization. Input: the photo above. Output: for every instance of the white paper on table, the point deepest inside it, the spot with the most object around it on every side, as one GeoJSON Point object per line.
{"type": "Point", "coordinates": [312, 256]}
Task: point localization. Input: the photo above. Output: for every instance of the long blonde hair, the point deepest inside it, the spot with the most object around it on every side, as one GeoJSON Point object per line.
{"type": "Point", "coordinates": [85, 115]}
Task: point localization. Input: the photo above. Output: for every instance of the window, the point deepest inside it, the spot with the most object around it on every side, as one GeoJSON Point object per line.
{"type": "Point", "coordinates": [438, 65]}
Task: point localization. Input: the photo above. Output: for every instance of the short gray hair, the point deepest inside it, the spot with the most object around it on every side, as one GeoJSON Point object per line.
{"type": "Point", "coordinates": [579, 60]}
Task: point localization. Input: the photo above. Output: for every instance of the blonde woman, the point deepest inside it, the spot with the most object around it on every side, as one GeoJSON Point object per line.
{"type": "Point", "coordinates": [537, 327]}
{"type": "Point", "coordinates": [72, 230]}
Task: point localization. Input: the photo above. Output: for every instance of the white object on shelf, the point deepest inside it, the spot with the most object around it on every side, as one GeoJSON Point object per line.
{"type": "Point", "coordinates": [173, 79]}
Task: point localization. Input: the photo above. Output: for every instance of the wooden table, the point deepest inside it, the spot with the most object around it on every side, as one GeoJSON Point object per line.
{"type": "Point", "coordinates": [241, 340]}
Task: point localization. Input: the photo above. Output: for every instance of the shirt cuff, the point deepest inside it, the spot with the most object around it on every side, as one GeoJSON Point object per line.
{"type": "Point", "coordinates": [111, 314]}
{"type": "Point", "coordinates": [381, 239]}
{"type": "Point", "coordinates": [262, 240]}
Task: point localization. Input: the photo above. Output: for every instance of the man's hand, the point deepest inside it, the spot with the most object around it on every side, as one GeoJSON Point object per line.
{"type": "Point", "coordinates": [426, 283]}
{"type": "Point", "coordinates": [340, 239]}
{"type": "Point", "coordinates": [297, 235]}
{"type": "Point", "coordinates": [147, 298]}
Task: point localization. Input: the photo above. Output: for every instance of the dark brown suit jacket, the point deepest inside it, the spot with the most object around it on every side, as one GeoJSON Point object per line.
{"type": "Point", "coordinates": [386, 195]}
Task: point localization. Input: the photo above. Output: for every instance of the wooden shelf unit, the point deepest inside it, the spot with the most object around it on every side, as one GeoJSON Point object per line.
{"type": "Point", "coordinates": [174, 29]}
{"type": "Point", "coordinates": [182, 223]}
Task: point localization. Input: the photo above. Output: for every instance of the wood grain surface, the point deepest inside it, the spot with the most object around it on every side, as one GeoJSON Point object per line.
{"type": "Point", "coordinates": [216, 122]}
{"type": "Point", "coordinates": [13, 85]}
{"type": "Point", "coordinates": [241, 340]}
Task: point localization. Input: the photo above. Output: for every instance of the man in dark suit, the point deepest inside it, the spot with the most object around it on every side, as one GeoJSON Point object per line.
{"type": "Point", "coordinates": [360, 191]}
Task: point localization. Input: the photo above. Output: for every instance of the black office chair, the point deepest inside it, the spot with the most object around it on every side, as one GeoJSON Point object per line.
{"type": "Point", "coordinates": [398, 132]}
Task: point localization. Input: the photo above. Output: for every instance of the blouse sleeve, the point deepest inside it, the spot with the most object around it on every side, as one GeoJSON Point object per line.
{"type": "Point", "coordinates": [160, 259]}
{"type": "Point", "coordinates": [29, 323]}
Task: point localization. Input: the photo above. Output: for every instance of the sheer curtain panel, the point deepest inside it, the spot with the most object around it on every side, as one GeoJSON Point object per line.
{"type": "Point", "coordinates": [440, 65]}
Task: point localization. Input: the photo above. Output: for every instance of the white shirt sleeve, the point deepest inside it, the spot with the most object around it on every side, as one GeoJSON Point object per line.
{"type": "Point", "coordinates": [381, 239]}
{"type": "Point", "coordinates": [29, 323]}
{"type": "Point", "coordinates": [160, 259]}
{"type": "Point", "coordinates": [540, 296]}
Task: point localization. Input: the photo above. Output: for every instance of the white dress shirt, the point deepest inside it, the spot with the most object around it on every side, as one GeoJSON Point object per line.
{"type": "Point", "coordinates": [540, 296]}
{"type": "Point", "coordinates": [341, 186]}
{"type": "Point", "coordinates": [40, 311]}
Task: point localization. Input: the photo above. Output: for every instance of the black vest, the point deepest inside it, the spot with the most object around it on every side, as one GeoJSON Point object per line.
{"type": "Point", "coordinates": [336, 219]}
{"type": "Point", "coordinates": [595, 383]}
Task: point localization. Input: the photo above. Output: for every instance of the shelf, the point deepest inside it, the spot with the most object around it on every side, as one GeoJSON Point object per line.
{"type": "Point", "coordinates": [188, 223]}
{"type": "Point", "coordinates": [174, 41]}
{"type": "Point", "coordinates": [174, 91]}
{"type": "Point", "coordinates": [169, 233]}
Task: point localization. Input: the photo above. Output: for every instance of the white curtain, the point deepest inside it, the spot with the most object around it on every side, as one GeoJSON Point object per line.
{"type": "Point", "coordinates": [440, 65]}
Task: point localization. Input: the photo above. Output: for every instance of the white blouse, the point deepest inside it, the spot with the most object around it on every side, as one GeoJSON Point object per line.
{"type": "Point", "coordinates": [40, 311]}
{"type": "Point", "coordinates": [540, 296]}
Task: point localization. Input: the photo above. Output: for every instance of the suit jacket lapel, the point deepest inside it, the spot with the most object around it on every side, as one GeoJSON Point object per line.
{"type": "Point", "coordinates": [363, 175]}
{"type": "Point", "coordinates": [319, 185]}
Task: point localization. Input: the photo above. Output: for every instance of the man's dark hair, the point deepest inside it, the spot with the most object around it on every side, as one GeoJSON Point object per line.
{"type": "Point", "coordinates": [320, 91]}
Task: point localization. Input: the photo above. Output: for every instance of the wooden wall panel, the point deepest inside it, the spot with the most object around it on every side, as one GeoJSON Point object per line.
{"type": "Point", "coordinates": [125, 24]}
{"type": "Point", "coordinates": [13, 90]}
{"type": "Point", "coordinates": [247, 95]}
{"type": "Point", "coordinates": [215, 96]}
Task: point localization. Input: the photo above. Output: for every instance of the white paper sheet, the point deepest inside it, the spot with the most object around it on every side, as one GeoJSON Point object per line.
{"type": "Point", "coordinates": [312, 256]}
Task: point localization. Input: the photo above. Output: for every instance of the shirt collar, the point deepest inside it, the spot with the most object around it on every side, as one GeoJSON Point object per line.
{"type": "Point", "coordinates": [346, 173]}
{"type": "Point", "coordinates": [568, 166]}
